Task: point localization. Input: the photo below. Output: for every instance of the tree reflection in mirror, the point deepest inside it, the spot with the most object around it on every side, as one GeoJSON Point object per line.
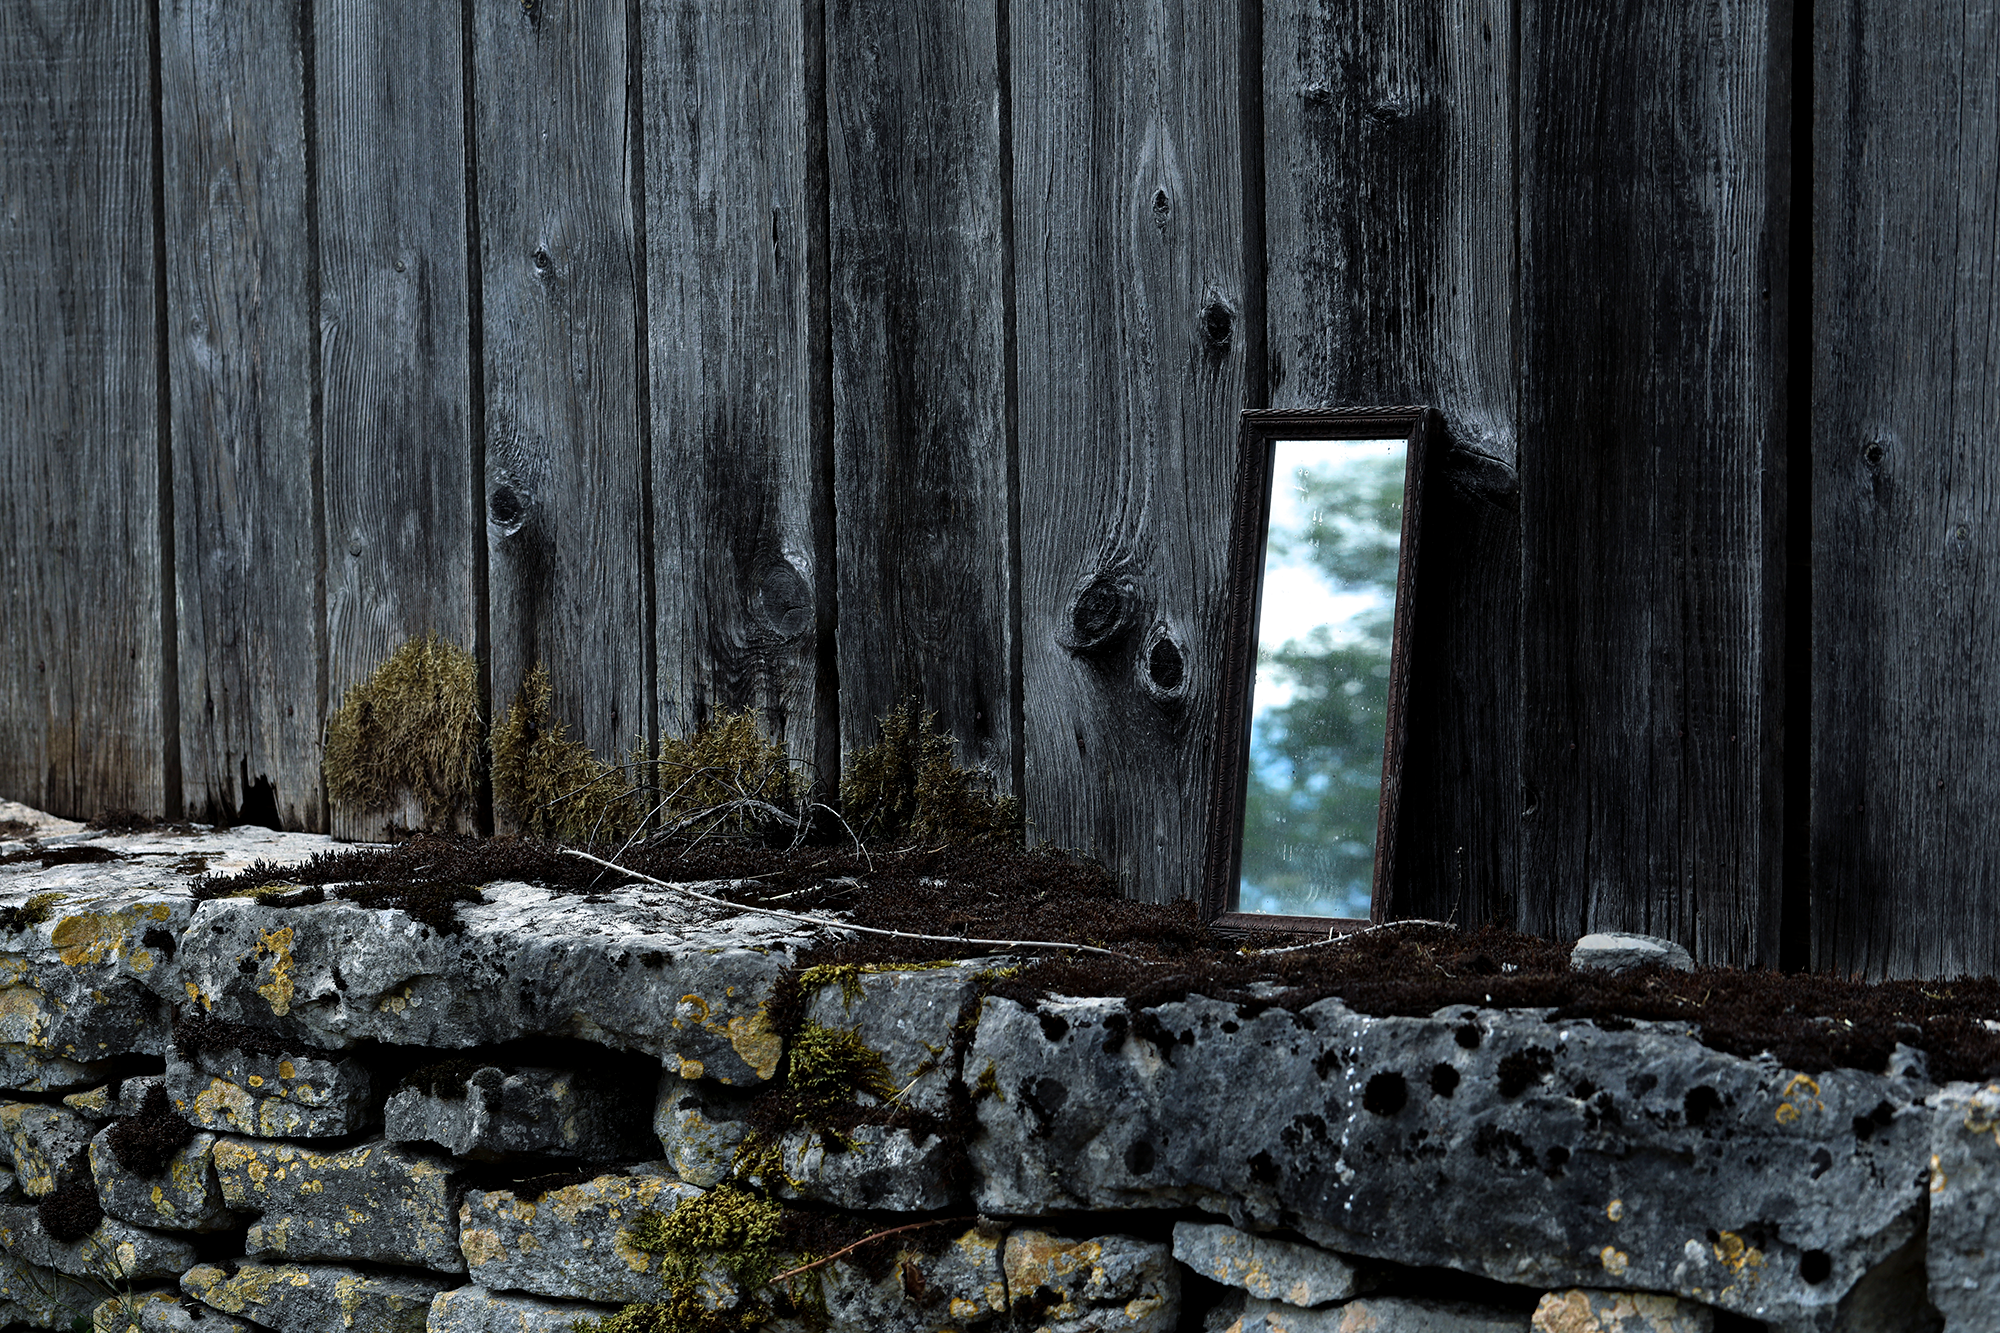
{"type": "Point", "coordinates": [1320, 702]}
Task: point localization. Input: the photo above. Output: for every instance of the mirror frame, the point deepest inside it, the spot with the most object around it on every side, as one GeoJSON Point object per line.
{"type": "Point", "coordinates": [1258, 435]}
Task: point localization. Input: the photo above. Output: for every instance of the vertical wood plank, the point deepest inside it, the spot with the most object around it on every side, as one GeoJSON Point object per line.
{"type": "Point", "coordinates": [81, 721]}
{"type": "Point", "coordinates": [1648, 405]}
{"type": "Point", "coordinates": [240, 352]}
{"type": "Point", "coordinates": [735, 456]}
{"type": "Point", "coordinates": [1389, 237]}
{"type": "Point", "coordinates": [921, 469]}
{"type": "Point", "coordinates": [1128, 223]}
{"type": "Point", "coordinates": [553, 141]}
{"type": "Point", "coordinates": [1906, 490]}
{"type": "Point", "coordinates": [401, 510]}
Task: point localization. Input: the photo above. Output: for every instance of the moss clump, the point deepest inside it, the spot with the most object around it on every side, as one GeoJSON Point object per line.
{"type": "Point", "coordinates": [144, 1143]}
{"type": "Point", "coordinates": [31, 913]}
{"type": "Point", "coordinates": [727, 1226]}
{"type": "Point", "coordinates": [555, 787]}
{"type": "Point", "coordinates": [905, 788]}
{"type": "Point", "coordinates": [681, 1312]}
{"type": "Point", "coordinates": [825, 1067]}
{"type": "Point", "coordinates": [728, 772]}
{"type": "Point", "coordinates": [413, 726]}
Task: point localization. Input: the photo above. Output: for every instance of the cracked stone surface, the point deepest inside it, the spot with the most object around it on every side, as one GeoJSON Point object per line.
{"type": "Point", "coordinates": [110, 1101]}
{"type": "Point", "coordinates": [317, 1298]}
{"type": "Point", "coordinates": [575, 1243]}
{"type": "Point", "coordinates": [377, 1202]}
{"type": "Point", "coordinates": [115, 1252]}
{"type": "Point", "coordinates": [185, 1196]}
{"type": "Point", "coordinates": [164, 1310]}
{"type": "Point", "coordinates": [1278, 1270]}
{"type": "Point", "coordinates": [905, 1016]}
{"type": "Point", "coordinates": [80, 985]}
{"type": "Point", "coordinates": [271, 1096]}
{"type": "Point", "coordinates": [699, 1126]}
{"type": "Point", "coordinates": [1544, 1154]}
{"type": "Point", "coordinates": [557, 1112]}
{"type": "Point", "coordinates": [961, 1286]}
{"type": "Point", "coordinates": [529, 963]}
{"type": "Point", "coordinates": [477, 1310]}
{"type": "Point", "coordinates": [42, 1141]}
{"type": "Point", "coordinates": [1964, 1244]}
{"type": "Point", "coordinates": [25, 1069]}
{"type": "Point", "coordinates": [1620, 1312]}
{"type": "Point", "coordinates": [1102, 1284]}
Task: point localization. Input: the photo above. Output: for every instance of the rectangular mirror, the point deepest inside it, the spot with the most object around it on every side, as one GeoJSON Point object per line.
{"type": "Point", "coordinates": [1322, 575]}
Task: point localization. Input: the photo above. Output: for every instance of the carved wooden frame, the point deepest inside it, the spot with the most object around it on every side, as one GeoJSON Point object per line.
{"type": "Point", "coordinates": [1248, 530]}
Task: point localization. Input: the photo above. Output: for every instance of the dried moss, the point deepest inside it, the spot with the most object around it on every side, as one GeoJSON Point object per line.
{"type": "Point", "coordinates": [727, 776]}
{"type": "Point", "coordinates": [826, 1067]}
{"type": "Point", "coordinates": [413, 726]}
{"type": "Point", "coordinates": [143, 1143]}
{"type": "Point", "coordinates": [552, 786]}
{"type": "Point", "coordinates": [905, 788]}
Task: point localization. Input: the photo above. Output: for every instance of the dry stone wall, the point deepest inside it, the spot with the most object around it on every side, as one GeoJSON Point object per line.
{"type": "Point", "coordinates": [234, 1114]}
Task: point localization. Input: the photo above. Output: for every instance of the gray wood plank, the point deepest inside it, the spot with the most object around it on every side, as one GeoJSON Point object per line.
{"type": "Point", "coordinates": [919, 376]}
{"type": "Point", "coordinates": [1906, 551]}
{"type": "Point", "coordinates": [1128, 223]}
{"type": "Point", "coordinates": [1649, 397]}
{"type": "Point", "coordinates": [564, 445]}
{"type": "Point", "coordinates": [81, 722]}
{"type": "Point", "coordinates": [736, 440]}
{"type": "Point", "coordinates": [241, 357]}
{"type": "Point", "coordinates": [1389, 242]}
{"type": "Point", "coordinates": [401, 509]}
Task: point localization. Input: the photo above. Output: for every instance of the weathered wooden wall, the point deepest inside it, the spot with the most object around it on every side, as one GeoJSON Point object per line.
{"type": "Point", "coordinates": [810, 357]}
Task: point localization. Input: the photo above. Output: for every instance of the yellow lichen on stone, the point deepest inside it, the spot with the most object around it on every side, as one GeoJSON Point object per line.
{"type": "Point", "coordinates": [691, 1069]}
{"type": "Point", "coordinates": [481, 1246]}
{"type": "Point", "coordinates": [757, 1043]}
{"type": "Point", "coordinates": [1800, 1093]}
{"type": "Point", "coordinates": [278, 990]}
{"type": "Point", "coordinates": [22, 1018]}
{"type": "Point", "coordinates": [1615, 1210]}
{"type": "Point", "coordinates": [1614, 1260]}
{"type": "Point", "coordinates": [1736, 1253]}
{"type": "Point", "coordinates": [287, 1070]}
{"type": "Point", "coordinates": [196, 997]}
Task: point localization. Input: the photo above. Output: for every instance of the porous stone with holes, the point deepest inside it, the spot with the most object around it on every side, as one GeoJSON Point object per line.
{"type": "Point", "coordinates": [1964, 1246]}
{"type": "Point", "coordinates": [557, 1112]}
{"type": "Point", "coordinates": [184, 1195]}
{"type": "Point", "coordinates": [271, 1096]}
{"type": "Point", "coordinates": [315, 1298]}
{"type": "Point", "coordinates": [1279, 1270]}
{"type": "Point", "coordinates": [377, 1202]}
{"type": "Point", "coordinates": [1541, 1153]}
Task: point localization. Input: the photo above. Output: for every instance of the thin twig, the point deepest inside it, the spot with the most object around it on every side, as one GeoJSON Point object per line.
{"type": "Point", "coordinates": [849, 1249]}
{"type": "Point", "coordinates": [1337, 938]}
{"type": "Point", "coordinates": [832, 923]}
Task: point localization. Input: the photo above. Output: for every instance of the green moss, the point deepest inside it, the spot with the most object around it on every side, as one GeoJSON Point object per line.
{"type": "Point", "coordinates": [905, 788]}
{"type": "Point", "coordinates": [727, 1226]}
{"type": "Point", "coordinates": [551, 785]}
{"type": "Point", "coordinates": [813, 979]}
{"type": "Point", "coordinates": [413, 726]}
{"type": "Point", "coordinates": [681, 1312]}
{"type": "Point", "coordinates": [825, 1067]}
{"type": "Point", "coordinates": [987, 1085]}
{"type": "Point", "coordinates": [725, 775]}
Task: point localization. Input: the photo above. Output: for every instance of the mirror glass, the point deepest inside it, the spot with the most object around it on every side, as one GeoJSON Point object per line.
{"type": "Point", "coordinates": [1319, 707]}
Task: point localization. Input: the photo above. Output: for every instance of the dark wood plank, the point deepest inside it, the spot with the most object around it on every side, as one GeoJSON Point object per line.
{"type": "Point", "coordinates": [1128, 224]}
{"type": "Point", "coordinates": [1906, 853]}
{"type": "Point", "coordinates": [728, 235]}
{"type": "Point", "coordinates": [1649, 426]}
{"type": "Point", "coordinates": [919, 377]}
{"type": "Point", "coordinates": [552, 134]}
{"type": "Point", "coordinates": [241, 358]}
{"type": "Point", "coordinates": [1388, 186]}
{"type": "Point", "coordinates": [81, 721]}
{"type": "Point", "coordinates": [402, 515]}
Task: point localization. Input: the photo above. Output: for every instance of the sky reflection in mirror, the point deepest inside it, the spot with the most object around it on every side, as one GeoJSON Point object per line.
{"type": "Point", "coordinates": [1319, 708]}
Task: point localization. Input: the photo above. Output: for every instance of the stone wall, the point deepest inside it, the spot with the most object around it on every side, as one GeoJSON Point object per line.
{"type": "Point", "coordinates": [237, 1114]}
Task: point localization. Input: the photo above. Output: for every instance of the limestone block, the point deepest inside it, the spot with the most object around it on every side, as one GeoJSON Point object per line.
{"type": "Point", "coordinates": [1538, 1153]}
{"type": "Point", "coordinates": [575, 1243]}
{"type": "Point", "coordinates": [269, 1096]}
{"type": "Point", "coordinates": [558, 1112]}
{"type": "Point", "coordinates": [961, 1287]}
{"type": "Point", "coordinates": [1620, 1312]}
{"type": "Point", "coordinates": [164, 1310]}
{"type": "Point", "coordinates": [699, 1127]}
{"type": "Point", "coordinates": [111, 1101]}
{"type": "Point", "coordinates": [375, 1202]}
{"type": "Point", "coordinates": [904, 1015]}
{"type": "Point", "coordinates": [1106, 1284]}
{"type": "Point", "coordinates": [184, 1196]}
{"type": "Point", "coordinates": [1621, 951]}
{"type": "Point", "coordinates": [528, 962]}
{"type": "Point", "coordinates": [1377, 1314]}
{"type": "Point", "coordinates": [1278, 1270]}
{"type": "Point", "coordinates": [42, 1297]}
{"type": "Point", "coordinates": [43, 1140]}
{"type": "Point", "coordinates": [316, 1298]}
{"type": "Point", "coordinates": [115, 1252]}
{"type": "Point", "coordinates": [1964, 1246]}
{"type": "Point", "coordinates": [477, 1310]}
{"type": "Point", "coordinates": [81, 970]}
{"type": "Point", "coordinates": [25, 1069]}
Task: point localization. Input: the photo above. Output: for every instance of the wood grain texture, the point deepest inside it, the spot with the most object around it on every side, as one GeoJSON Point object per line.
{"type": "Point", "coordinates": [553, 138]}
{"type": "Point", "coordinates": [1389, 235]}
{"type": "Point", "coordinates": [240, 351]}
{"type": "Point", "coordinates": [919, 376]}
{"type": "Point", "coordinates": [728, 233]}
{"type": "Point", "coordinates": [1906, 542]}
{"type": "Point", "coordinates": [402, 517]}
{"type": "Point", "coordinates": [81, 721]}
{"type": "Point", "coordinates": [1128, 208]}
{"type": "Point", "coordinates": [1649, 385]}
